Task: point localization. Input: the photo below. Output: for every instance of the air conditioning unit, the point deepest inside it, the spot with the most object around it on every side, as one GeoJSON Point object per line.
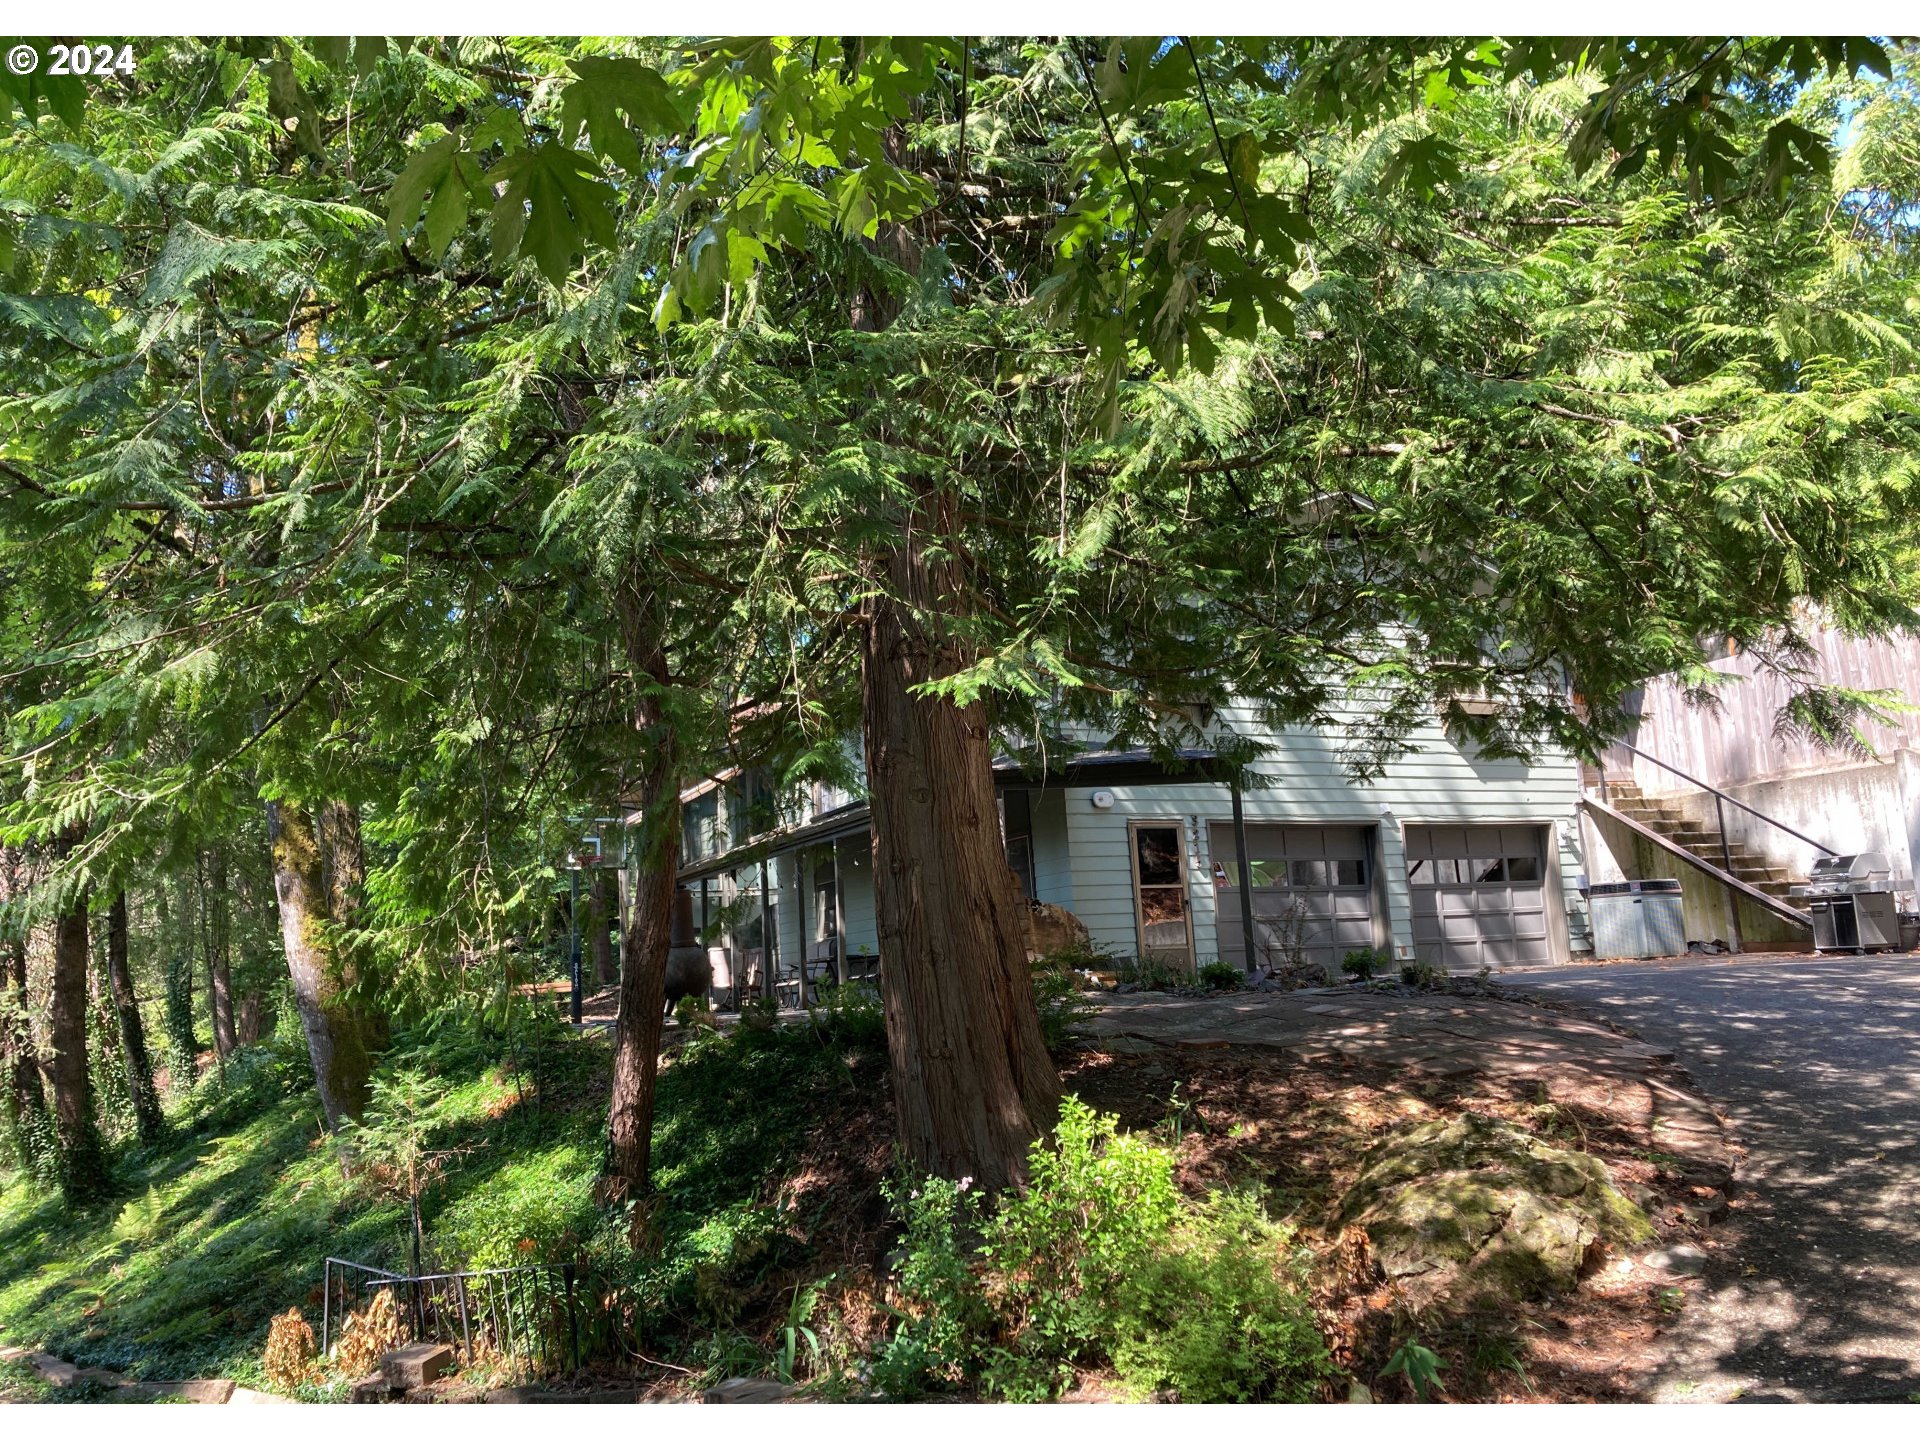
{"type": "Point", "coordinates": [1638, 919]}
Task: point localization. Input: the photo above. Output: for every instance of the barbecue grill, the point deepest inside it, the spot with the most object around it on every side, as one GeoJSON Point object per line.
{"type": "Point", "coordinates": [1851, 900]}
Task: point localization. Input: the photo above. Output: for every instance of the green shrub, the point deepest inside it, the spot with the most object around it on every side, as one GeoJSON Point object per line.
{"type": "Point", "coordinates": [1217, 1315]}
{"type": "Point", "coordinates": [1062, 1004]}
{"type": "Point", "coordinates": [1097, 1204]}
{"type": "Point", "coordinates": [1219, 975]}
{"type": "Point", "coordinates": [851, 1014]}
{"type": "Point", "coordinates": [1097, 1260]}
{"type": "Point", "coordinates": [938, 1339]}
{"type": "Point", "coordinates": [1420, 975]}
{"type": "Point", "coordinates": [528, 1211]}
{"type": "Point", "coordinates": [1360, 963]}
{"type": "Point", "coordinates": [1147, 974]}
{"type": "Point", "coordinates": [760, 1014]}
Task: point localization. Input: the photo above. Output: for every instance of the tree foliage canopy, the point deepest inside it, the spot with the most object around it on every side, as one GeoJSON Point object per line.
{"type": "Point", "coordinates": [347, 382]}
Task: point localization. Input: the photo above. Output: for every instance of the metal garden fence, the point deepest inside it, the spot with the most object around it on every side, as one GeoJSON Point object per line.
{"type": "Point", "coordinates": [528, 1315]}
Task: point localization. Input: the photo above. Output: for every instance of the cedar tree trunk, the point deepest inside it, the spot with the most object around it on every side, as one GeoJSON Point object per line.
{"type": "Point", "coordinates": [253, 1018]}
{"type": "Point", "coordinates": [83, 1165]}
{"type": "Point", "coordinates": [133, 1035]}
{"type": "Point", "coordinates": [308, 882]}
{"type": "Point", "coordinates": [973, 1084]}
{"type": "Point", "coordinates": [219, 933]}
{"type": "Point", "coordinates": [177, 947]}
{"type": "Point", "coordinates": [643, 978]}
{"type": "Point", "coordinates": [26, 1102]}
{"type": "Point", "coordinates": [603, 903]}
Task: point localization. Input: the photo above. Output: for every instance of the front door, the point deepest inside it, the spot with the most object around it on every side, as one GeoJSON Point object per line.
{"type": "Point", "coordinates": [1160, 892]}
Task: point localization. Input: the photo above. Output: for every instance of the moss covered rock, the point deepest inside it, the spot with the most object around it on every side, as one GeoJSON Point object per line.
{"type": "Point", "coordinates": [1473, 1207]}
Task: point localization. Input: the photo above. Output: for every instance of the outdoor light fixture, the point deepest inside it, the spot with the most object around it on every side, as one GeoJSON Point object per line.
{"type": "Point", "coordinates": [1102, 799]}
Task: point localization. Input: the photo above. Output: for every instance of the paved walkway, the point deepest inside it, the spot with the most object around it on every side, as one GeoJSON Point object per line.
{"type": "Point", "coordinates": [1816, 1065]}
{"type": "Point", "coordinates": [62, 1375]}
{"type": "Point", "coordinates": [1450, 1034]}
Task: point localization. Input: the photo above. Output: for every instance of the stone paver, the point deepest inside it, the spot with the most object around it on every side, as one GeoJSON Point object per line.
{"type": "Point", "coordinates": [1479, 1032]}
{"type": "Point", "coordinates": [61, 1374]}
{"type": "Point", "coordinates": [1815, 1066]}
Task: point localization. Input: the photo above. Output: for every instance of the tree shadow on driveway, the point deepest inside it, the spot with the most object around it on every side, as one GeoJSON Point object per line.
{"type": "Point", "coordinates": [1816, 1065]}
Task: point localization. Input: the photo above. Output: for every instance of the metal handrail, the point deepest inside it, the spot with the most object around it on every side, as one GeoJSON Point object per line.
{"type": "Point", "coordinates": [1720, 794]}
{"type": "Point", "coordinates": [334, 1262]}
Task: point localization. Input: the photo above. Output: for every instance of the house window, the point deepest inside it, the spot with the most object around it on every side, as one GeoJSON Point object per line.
{"type": "Point", "coordinates": [1020, 861]}
{"type": "Point", "coordinates": [753, 810]}
{"type": "Point", "coordinates": [699, 826]}
{"type": "Point", "coordinates": [1519, 865]}
{"type": "Point", "coordinates": [826, 908]}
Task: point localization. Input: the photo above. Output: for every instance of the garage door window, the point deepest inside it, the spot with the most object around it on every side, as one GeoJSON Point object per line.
{"type": "Point", "coordinates": [1501, 870]}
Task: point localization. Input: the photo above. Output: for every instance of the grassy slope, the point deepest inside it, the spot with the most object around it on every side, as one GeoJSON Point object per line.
{"type": "Point", "coordinates": [229, 1223]}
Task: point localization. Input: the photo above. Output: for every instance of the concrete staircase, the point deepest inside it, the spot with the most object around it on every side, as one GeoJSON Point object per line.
{"type": "Point", "coordinates": [1666, 818]}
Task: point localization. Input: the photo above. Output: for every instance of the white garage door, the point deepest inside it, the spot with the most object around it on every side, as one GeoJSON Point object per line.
{"type": "Point", "coordinates": [1312, 893]}
{"type": "Point", "coordinates": [1479, 895]}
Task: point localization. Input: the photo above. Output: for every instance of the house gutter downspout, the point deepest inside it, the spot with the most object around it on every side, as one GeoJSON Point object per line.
{"type": "Point", "coordinates": [1245, 867]}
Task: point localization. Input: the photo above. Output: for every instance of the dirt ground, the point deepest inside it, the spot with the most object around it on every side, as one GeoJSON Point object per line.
{"type": "Point", "coordinates": [1296, 1121]}
{"type": "Point", "coordinates": [1299, 1128]}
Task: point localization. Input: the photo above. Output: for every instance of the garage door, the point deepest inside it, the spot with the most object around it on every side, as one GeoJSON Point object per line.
{"type": "Point", "coordinates": [1479, 895]}
{"type": "Point", "coordinates": [1312, 893]}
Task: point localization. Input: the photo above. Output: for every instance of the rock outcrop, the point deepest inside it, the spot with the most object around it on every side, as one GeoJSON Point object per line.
{"type": "Point", "coordinates": [1473, 1208]}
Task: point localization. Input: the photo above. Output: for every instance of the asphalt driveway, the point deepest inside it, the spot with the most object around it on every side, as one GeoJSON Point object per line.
{"type": "Point", "coordinates": [1816, 1064]}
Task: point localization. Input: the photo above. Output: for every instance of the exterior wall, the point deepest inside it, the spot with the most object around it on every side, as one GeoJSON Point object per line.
{"type": "Point", "coordinates": [1846, 802]}
{"type": "Point", "coordinates": [856, 881]}
{"type": "Point", "coordinates": [1052, 857]}
{"type": "Point", "coordinates": [1438, 784]}
{"type": "Point", "coordinates": [1081, 855]}
{"type": "Point", "coordinates": [1848, 808]}
{"type": "Point", "coordinates": [790, 936]}
{"type": "Point", "coordinates": [1735, 743]}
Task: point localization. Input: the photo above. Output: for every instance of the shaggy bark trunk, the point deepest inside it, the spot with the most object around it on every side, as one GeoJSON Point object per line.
{"type": "Point", "coordinates": [343, 861]}
{"type": "Point", "coordinates": [176, 948]}
{"type": "Point", "coordinates": [83, 1167]}
{"type": "Point", "coordinates": [219, 936]}
{"type": "Point", "coordinates": [314, 868]}
{"type": "Point", "coordinates": [973, 1084]}
{"type": "Point", "coordinates": [643, 979]}
{"type": "Point", "coordinates": [133, 1035]}
{"type": "Point", "coordinates": [26, 1102]}
{"type": "Point", "coordinates": [603, 903]}
{"type": "Point", "coordinates": [253, 1018]}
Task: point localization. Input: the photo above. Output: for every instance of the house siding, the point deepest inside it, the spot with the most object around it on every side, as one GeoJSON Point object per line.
{"type": "Point", "coordinates": [1437, 784]}
{"type": "Point", "coordinates": [856, 879]}
{"type": "Point", "coordinates": [1052, 851]}
{"type": "Point", "coordinates": [1081, 855]}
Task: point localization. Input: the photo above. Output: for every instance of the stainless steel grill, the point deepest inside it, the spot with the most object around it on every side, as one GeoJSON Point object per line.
{"type": "Point", "coordinates": [1851, 900]}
